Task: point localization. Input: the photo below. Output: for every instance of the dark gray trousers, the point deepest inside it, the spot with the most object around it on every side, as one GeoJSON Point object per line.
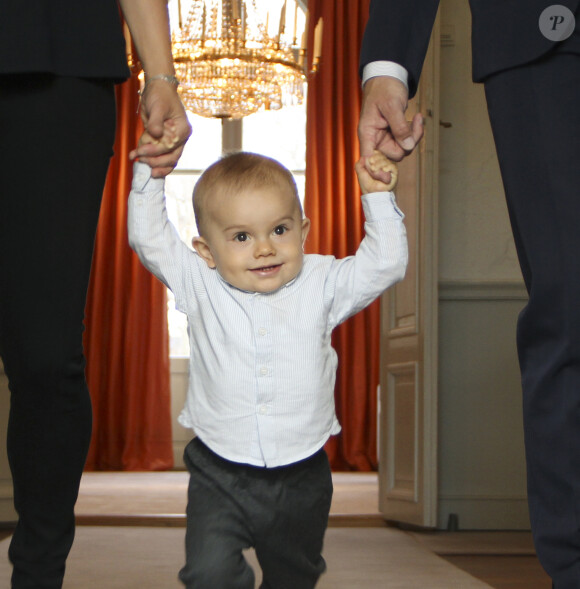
{"type": "Point", "coordinates": [281, 512]}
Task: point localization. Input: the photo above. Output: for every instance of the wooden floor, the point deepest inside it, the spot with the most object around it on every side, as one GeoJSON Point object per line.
{"type": "Point", "coordinates": [503, 560]}
{"type": "Point", "coordinates": [504, 572]}
{"type": "Point", "coordinates": [498, 571]}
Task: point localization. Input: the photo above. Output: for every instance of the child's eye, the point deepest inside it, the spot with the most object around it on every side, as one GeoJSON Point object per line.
{"type": "Point", "coordinates": [280, 230]}
{"type": "Point", "coordinates": [241, 237]}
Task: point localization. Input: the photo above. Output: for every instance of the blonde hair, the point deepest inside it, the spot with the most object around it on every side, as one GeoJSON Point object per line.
{"type": "Point", "coordinates": [236, 172]}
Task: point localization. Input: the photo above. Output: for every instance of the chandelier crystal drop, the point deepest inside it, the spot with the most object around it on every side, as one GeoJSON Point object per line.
{"type": "Point", "coordinates": [228, 64]}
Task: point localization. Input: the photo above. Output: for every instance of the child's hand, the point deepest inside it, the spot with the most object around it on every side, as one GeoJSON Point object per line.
{"type": "Point", "coordinates": [376, 173]}
{"type": "Point", "coordinates": [168, 141]}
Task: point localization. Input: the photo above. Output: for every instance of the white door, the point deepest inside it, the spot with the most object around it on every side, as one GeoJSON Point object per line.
{"type": "Point", "coordinates": [408, 379]}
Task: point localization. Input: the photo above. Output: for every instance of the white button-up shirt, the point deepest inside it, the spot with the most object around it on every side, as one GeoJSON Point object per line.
{"type": "Point", "coordinates": [262, 368]}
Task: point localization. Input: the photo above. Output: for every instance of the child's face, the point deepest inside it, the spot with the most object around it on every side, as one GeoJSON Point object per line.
{"type": "Point", "coordinates": [254, 238]}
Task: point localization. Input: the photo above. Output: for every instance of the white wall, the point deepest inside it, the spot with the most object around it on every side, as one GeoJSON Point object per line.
{"type": "Point", "coordinates": [475, 237]}
{"type": "Point", "coordinates": [481, 466]}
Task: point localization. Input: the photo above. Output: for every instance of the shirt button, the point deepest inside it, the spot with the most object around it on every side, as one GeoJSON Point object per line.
{"type": "Point", "coordinates": [263, 371]}
{"type": "Point", "coordinates": [263, 409]}
{"type": "Point", "coordinates": [262, 331]}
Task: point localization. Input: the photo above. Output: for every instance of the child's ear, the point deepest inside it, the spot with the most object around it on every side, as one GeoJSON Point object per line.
{"type": "Point", "coordinates": [202, 248]}
{"type": "Point", "coordinates": [305, 229]}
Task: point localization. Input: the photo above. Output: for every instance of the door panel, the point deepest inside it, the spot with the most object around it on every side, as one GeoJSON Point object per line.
{"type": "Point", "coordinates": [408, 380]}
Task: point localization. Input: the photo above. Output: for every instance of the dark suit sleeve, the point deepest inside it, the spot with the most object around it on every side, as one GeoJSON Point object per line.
{"type": "Point", "coordinates": [399, 31]}
{"type": "Point", "coordinates": [506, 34]}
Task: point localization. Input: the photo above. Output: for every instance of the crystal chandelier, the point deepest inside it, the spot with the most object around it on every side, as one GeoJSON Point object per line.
{"type": "Point", "coordinates": [230, 66]}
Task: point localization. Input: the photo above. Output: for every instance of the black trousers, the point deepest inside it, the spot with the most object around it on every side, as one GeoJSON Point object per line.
{"type": "Point", "coordinates": [56, 141]}
{"type": "Point", "coordinates": [535, 116]}
{"type": "Point", "coordinates": [282, 512]}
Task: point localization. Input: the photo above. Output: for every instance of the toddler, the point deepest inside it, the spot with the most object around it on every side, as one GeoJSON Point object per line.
{"type": "Point", "coordinates": [262, 370]}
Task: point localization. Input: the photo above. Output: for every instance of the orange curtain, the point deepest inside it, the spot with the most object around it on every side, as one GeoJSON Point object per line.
{"type": "Point", "coordinates": [126, 338]}
{"type": "Point", "coordinates": [332, 202]}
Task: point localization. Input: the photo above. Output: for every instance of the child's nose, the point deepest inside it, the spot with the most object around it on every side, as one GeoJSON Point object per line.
{"type": "Point", "coordinates": [264, 247]}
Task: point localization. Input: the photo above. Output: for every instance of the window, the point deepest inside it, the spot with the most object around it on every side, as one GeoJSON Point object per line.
{"type": "Point", "coordinates": [279, 134]}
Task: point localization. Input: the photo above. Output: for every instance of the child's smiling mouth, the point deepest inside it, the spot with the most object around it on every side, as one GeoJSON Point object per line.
{"type": "Point", "coordinates": [267, 270]}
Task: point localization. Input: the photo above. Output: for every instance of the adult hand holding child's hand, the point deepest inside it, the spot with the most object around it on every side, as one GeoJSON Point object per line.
{"type": "Point", "coordinates": [376, 173]}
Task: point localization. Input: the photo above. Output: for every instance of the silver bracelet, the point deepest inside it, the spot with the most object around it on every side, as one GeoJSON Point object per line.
{"type": "Point", "coordinates": [166, 78]}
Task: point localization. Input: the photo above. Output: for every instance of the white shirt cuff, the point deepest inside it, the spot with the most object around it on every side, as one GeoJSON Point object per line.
{"type": "Point", "coordinates": [385, 68]}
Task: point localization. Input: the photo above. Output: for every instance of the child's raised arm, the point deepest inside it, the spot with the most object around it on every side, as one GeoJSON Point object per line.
{"type": "Point", "coordinates": [373, 167]}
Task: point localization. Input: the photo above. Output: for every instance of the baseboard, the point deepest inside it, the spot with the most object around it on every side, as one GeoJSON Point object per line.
{"type": "Point", "coordinates": [489, 290]}
{"type": "Point", "coordinates": [134, 520]}
{"type": "Point", "coordinates": [483, 513]}
{"type": "Point", "coordinates": [336, 520]}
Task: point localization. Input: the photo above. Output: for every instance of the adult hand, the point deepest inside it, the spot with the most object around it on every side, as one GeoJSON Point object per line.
{"type": "Point", "coordinates": [382, 124]}
{"type": "Point", "coordinates": [166, 124]}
